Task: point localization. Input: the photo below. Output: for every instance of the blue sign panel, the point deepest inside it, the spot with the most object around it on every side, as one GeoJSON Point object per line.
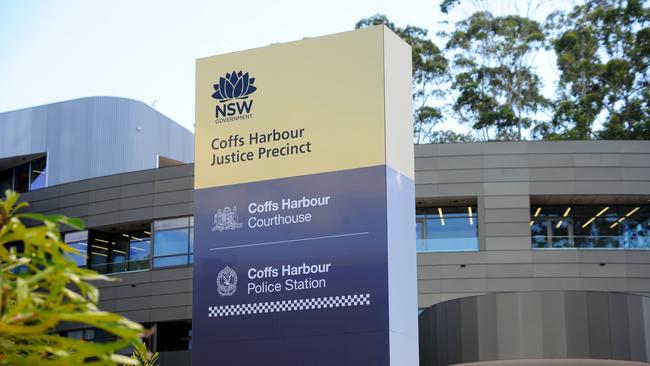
{"type": "Point", "coordinates": [302, 258]}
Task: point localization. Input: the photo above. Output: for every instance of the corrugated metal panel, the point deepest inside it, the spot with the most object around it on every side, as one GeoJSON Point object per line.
{"type": "Point", "coordinates": [94, 137]}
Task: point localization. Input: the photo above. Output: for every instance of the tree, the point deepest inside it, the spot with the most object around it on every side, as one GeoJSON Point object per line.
{"type": "Point", "coordinates": [41, 287]}
{"type": "Point", "coordinates": [499, 92]}
{"type": "Point", "coordinates": [603, 50]}
{"type": "Point", "coordinates": [447, 5]}
{"type": "Point", "coordinates": [429, 72]}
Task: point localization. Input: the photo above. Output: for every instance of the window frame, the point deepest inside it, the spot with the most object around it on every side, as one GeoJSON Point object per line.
{"type": "Point", "coordinates": [425, 214]}
{"type": "Point", "coordinates": [188, 254]}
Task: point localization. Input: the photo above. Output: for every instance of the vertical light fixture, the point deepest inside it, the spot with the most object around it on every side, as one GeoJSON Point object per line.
{"type": "Point", "coordinates": [442, 217]}
{"type": "Point", "coordinates": [539, 209]}
{"type": "Point", "coordinates": [471, 219]}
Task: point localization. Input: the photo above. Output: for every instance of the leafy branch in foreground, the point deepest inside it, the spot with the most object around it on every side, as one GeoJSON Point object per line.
{"type": "Point", "coordinates": [146, 359]}
{"type": "Point", "coordinates": [41, 287]}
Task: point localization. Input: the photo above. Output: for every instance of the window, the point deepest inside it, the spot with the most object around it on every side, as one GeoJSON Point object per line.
{"type": "Point", "coordinates": [25, 177]}
{"type": "Point", "coordinates": [120, 252]}
{"type": "Point", "coordinates": [174, 336]}
{"type": "Point", "coordinates": [97, 335]}
{"type": "Point", "coordinates": [79, 241]}
{"type": "Point", "coordinates": [38, 174]}
{"type": "Point", "coordinates": [91, 334]}
{"type": "Point", "coordinates": [21, 178]}
{"type": "Point", "coordinates": [601, 227]}
{"type": "Point", "coordinates": [440, 229]}
{"type": "Point", "coordinates": [6, 181]}
{"type": "Point", "coordinates": [173, 242]}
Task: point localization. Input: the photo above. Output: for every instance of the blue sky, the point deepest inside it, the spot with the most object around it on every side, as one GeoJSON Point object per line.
{"type": "Point", "coordinates": [145, 50]}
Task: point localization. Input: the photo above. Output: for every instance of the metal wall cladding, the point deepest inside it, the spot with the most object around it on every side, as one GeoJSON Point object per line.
{"type": "Point", "coordinates": [94, 137]}
{"type": "Point", "coordinates": [536, 325]}
{"type": "Point", "coordinates": [506, 179]}
{"type": "Point", "coordinates": [505, 262]}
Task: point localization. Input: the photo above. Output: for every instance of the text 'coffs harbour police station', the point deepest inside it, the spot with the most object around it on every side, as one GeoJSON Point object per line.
{"type": "Point", "coordinates": [294, 143]}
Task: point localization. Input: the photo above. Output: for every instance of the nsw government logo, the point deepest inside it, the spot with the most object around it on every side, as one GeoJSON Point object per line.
{"type": "Point", "coordinates": [226, 219]}
{"type": "Point", "coordinates": [227, 282]}
{"type": "Point", "coordinates": [233, 92]}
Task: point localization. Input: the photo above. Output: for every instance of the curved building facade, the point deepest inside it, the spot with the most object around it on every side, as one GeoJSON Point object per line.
{"type": "Point", "coordinates": [526, 250]}
{"type": "Point", "coordinates": [86, 138]}
{"type": "Point", "coordinates": [536, 325]}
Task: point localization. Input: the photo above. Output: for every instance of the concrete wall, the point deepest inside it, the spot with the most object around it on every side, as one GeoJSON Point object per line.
{"type": "Point", "coordinates": [501, 176]}
{"type": "Point", "coordinates": [93, 137]}
{"type": "Point", "coordinates": [536, 325]}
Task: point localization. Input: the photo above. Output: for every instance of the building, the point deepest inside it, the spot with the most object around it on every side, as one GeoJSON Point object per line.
{"type": "Point", "coordinates": [526, 250]}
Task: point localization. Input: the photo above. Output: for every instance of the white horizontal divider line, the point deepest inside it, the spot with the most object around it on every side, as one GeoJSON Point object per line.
{"type": "Point", "coordinates": [291, 240]}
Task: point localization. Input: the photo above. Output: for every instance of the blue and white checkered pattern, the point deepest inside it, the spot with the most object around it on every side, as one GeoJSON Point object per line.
{"type": "Point", "coordinates": [289, 305]}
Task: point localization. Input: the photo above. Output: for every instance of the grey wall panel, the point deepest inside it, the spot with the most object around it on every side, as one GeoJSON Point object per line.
{"type": "Point", "coordinates": [177, 358]}
{"type": "Point", "coordinates": [496, 215]}
{"type": "Point", "coordinates": [468, 330]}
{"type": "Point", "coordinates": [507, 243]}
{"type": "Point", "coordinates": [507, 202]}
{"type": "Point", "coordinates": [554, 338]}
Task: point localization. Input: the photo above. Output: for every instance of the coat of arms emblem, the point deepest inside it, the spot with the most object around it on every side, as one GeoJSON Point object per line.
{"type": "Point", "coordinates": [227, 282]}
{"type": "Point", "coordinates": [226, 219]}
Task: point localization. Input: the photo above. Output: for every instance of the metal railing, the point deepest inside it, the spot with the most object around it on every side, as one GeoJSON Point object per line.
{"type": "Point", "coordinates": [121, 267]}
{"type": "Point", "coordinates": [592, 242]}
{"type": "Point", "coordinates": [447, 244]}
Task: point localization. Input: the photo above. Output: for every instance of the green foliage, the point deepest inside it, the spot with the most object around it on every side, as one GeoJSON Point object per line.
{"type": "Point", "coordinates": [145, 358]}
{"type": "Point", "coordinates": [499, 93]}
{"type": "Point", "coordinates": [447, 5]}
{"type": "Point", "coordinates": [603, 61]}
{"type": "Point", "coordinates": [429, 72]}
{"type": "Point", "coordinates": [40, 288]}
{"type": "Point", "coordinates": [603, 54]}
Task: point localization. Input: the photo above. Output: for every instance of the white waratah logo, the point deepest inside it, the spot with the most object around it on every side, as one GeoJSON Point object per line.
{"type": "Point", "coordinates": [226, 219]}
{"type": "Point", "coordinates": [227, 282]}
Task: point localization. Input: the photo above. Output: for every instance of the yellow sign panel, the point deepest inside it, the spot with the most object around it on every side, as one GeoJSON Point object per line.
{"type": "Point", "coordinates": [299, 108]}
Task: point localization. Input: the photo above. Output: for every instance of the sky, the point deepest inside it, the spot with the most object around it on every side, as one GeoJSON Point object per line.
{"type": "Point", "coordinates": [57, 50]}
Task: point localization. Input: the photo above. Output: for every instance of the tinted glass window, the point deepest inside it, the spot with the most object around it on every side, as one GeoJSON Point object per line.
{"type": "Point", "coordinates": [173, 242]}
{"type": "Point", "coordinates": [81, 257]}
{"type": "Point", "coordinates": [21, 178]}
{"type": "Point", "coordinates": [601, 227]}
{"type": "Point", "coordinates": [174, 336]}
{"type": "Point", "coordinates": [38, 174]}
{"type": "Point", "coordinates": [169, 242]}
{"type": "Point", "coordinates": [176, 260]}
{"type": "Point", "coordinates": [120, 252]}
{"type": "Point", "coordinates": [6, 181]}
{"type": "Point", "coordinates": [447, 229]}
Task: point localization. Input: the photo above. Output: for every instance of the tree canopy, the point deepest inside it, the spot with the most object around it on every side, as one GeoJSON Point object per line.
{"type": "Point", "coordinates": [498, 90]}
{"type": "Point", "coordinates": [603, 54]}
{"type": "Point", "coordinates": [429, 72]}
{"type": "Point", "coordinates": [485, 77]}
